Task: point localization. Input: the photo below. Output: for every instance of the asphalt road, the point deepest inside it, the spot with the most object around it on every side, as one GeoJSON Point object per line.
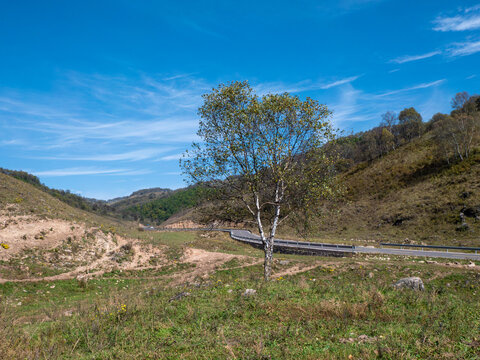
{"type": "Point", "coordinates": [248, 237]}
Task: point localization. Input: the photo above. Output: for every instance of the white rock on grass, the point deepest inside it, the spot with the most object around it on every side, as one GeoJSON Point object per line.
{"type": "Point", "coordinates": [414, 283]}
{"type": "Point", "coordinates": [249, 292]}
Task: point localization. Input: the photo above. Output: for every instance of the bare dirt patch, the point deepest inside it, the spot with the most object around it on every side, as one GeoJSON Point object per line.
{"type": "Point", "coordinates": [53, 249]}
{"type": "Point", "coordinates": [207, 262]}
{"type": "Point", "coordinates": [296, 270]}
{"type": "Point", "coordinates": [31, 232]}
{"type": "Point", "coordinates": [41, 249]}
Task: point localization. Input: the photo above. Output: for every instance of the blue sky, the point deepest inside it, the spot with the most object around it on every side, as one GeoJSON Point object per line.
{"type": "Point", "coordinates": [101, 97]}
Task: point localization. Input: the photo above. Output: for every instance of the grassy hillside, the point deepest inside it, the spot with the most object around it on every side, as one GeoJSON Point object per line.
{"type": "Point", "coordinates": [137, 198]}
{"type": "Point", "coordinates": [65, 196]}
{"type": "Point", "coordinates": [179, 294]}
{"type": "Point", "coordinates": [408, 193]}
{"type": "Point", "coordinates": [22, 198]}
{"type": "Point", "coordinates": [159, 210]}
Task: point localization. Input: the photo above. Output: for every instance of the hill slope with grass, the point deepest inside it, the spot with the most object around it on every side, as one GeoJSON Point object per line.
{"type": "Point", "coordinates": [44, 238]}
{"type": "Point", "coordinates": [410, 194]}
{"type": "Point", "coordinates": [161, 209]}
{"type": "Point", "coordinates": [137, 198]}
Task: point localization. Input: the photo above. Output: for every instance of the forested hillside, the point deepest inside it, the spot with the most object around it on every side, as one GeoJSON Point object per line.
{"type": "Point", "coordinates": [63, 195]}
{"type": "Point", "coordinates": [137, 197]}
{"type": "Point", "coordinates": [161, 209]}
{"type": "Point", "coordinates": [410, 179]}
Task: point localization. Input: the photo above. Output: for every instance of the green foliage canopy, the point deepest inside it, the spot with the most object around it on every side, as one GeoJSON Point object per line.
{"type": "Point", "coordinates": [265, 153]}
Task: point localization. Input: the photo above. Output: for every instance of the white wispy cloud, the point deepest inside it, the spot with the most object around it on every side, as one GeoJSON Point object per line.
{"type": "Point", "coordinates": [469, 19]}
{"type": "Point", "coordinates": [177, 76]}
{"type": "Point", "coordinates": [167, 130]}
{"type": "Point", "coordinates": [75, 171]}
{"type": "Point", "coordinates": [393, 71]}
{"type": "Point", "coordinates": [409, 58]}
{"type": "Point", "coordinates": [94, 107]}
{"type": "Point", "coordinates": [78, 171]}
{"type": "Point", "coordinates": [12, 142]}
{"type": "Point", "coordinates": [301, 86]}
{"type": "Point", "coordinates": [464, 48]}
{"type": "Point", "coordinates": [171, 157]}
{"type": "Point", "coordinates": [135, 155]}
{"type": "Point", "coordinates": [339, 82]}
{"type": "Point", "coordinates": [282, 87]}
{"type": "Point", "coordinates": [363, 110]}
{"type": "Point", "coordinates": [472, 8]}
{"type": "Point", "coordinates": [416, 87]}
{"type": "Point", "coordinates": [202, 29]}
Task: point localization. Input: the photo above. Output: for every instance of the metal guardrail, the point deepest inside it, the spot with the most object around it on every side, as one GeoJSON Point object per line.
{"type": "Point", "coordinates": [247, 237]}
{"type": "Point", "coordinates": [256, 239]}
{"type": "Point", "coordinates": [295, 244]}
{"type": "Point", "coordinates": [476, 249]}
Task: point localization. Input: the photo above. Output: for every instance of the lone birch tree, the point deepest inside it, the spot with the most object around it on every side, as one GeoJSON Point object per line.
{"type": "Point", "coordinates": [263, 153]}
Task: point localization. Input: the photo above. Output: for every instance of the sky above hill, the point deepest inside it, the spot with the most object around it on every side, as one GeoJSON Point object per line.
{"type": "Point", "coordinates": [101, 97]}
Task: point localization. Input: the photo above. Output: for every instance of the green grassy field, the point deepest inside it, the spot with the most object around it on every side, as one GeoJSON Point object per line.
{"type": "Point", "coordinates": [340, 309]}
{"type": "Point", "coordinates": [315, 308]}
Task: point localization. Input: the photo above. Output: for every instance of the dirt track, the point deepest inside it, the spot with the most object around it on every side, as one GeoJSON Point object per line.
{"type": "Point", "coordinates": [28, 234]}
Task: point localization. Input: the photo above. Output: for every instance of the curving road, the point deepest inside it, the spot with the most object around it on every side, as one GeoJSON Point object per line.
{"type": "Point", "coordinates": [331, 249]}
{"type": "Point", "coordinates": [248, 237]}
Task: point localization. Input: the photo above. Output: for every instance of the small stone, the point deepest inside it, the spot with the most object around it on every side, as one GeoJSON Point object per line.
{"type": "Point", "coordinates": [179, 296]}
{"type": "Point", "coordinates": [249, 292]}
{"type": "Point", "coordinates": [414, 283]}
{"type": "Point", "coordinates": [370, 275]}
{"type": "Point", "coordinates": [284, 262]}
{"type": "Point", "coordinates": [471, 264]}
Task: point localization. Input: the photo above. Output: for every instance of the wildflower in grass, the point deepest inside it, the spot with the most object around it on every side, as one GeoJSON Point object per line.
{"type": "Point", "coordinates": [5, 246]}
{"type": "Point", "coordinates": [280, 278]}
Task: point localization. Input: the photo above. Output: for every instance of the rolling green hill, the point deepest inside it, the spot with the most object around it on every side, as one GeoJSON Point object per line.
{"type": "Point", "coordinates": [137, 198]}
{"type": "Point", "coordinates": [163, 208]}
{"type": "Point", "coordinates": [408, 193]}
{"type": "Point", "coordinates": [409, 181]}
{"type": "Point", "coordinates": [19, 198]}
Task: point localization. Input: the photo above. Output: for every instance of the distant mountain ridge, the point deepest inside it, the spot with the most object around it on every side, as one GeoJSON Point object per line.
{"type": "Point", "coordinates": [138, 197]}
